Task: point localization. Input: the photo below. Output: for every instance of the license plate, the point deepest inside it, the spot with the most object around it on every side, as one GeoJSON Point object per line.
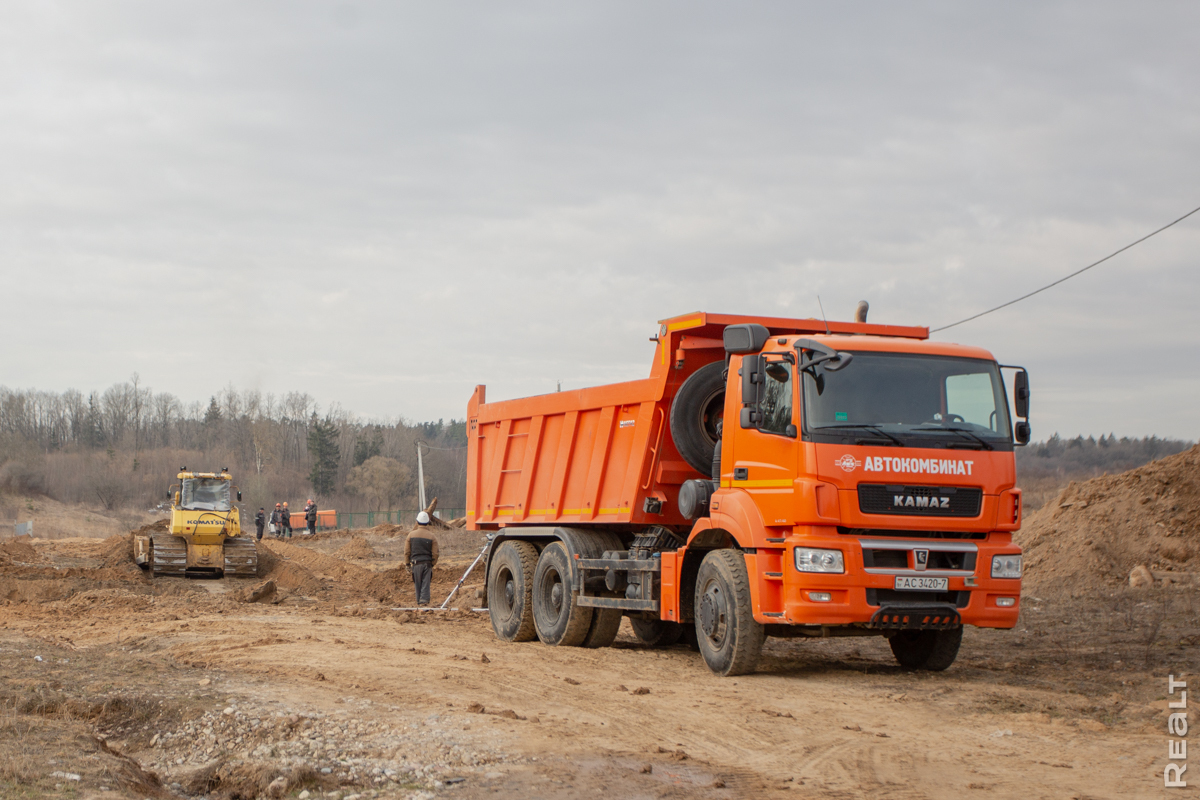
{"type": "Point", "coordinates": [922, 584]}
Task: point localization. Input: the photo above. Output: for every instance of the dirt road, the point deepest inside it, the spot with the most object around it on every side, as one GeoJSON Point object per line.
{"type": "Point", "coordinates": [327, 690]}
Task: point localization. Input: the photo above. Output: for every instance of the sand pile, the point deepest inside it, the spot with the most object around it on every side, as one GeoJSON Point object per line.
{"type": "Point", "coordinates": [158, 526]}
{"type": "Point", "coordinates": [355, 548]}
{"type": "Point", "coordinates": [18, 550]}
{"type": "Point", "coordinates": [1094, 533]}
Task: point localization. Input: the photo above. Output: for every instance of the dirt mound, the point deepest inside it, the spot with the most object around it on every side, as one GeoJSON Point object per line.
{"type": "Point", "coordinates": [387, 530]}
{"type": "Point", "coordinates": [117, 550]}
{"type": "Point", "coordinates": [157, 526]}
{"type": "Point", "coordinates": [355, 548]}
{"type": "Point", "coordinates": [17, 550]}
{"type": "Point", "coordinates": [391, 586]}
{"type": "Point", "coordinates": [287, 573]}
{"type": "Point", "coordinates": [1094, 533]}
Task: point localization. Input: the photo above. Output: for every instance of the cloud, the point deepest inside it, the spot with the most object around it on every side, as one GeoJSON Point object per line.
{"type": "Point", "coordinates": [385, 205]}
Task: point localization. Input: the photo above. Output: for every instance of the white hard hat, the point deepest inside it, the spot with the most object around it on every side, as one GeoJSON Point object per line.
{"type": "Point", "coordinates": [422, 518]}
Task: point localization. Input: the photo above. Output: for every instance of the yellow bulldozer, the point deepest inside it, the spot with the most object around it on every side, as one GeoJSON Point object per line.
{"type": "Point", "coordinates": [205, 537]}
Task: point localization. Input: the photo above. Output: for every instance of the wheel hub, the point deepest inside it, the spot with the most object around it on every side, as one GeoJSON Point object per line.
{"type": "Point", "coordinates": [556, 596]}
{"type": "Point", "coordinates": [712, 612]}
{"type": "Point", "coordinates": [510, 592]}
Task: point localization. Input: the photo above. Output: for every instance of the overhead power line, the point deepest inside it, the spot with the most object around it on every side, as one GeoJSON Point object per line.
{"type": "Point", "coordinates": [1068, 277]}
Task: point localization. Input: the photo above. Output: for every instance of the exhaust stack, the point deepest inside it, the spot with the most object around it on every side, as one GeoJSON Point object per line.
{"type": "Point", "coordinates": [860, 313]}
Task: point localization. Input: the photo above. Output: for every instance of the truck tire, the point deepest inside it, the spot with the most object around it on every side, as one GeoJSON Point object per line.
{"type": "Point", "coordinates": [729, 638]}
{"type": "Point", "coordinates": [931, 650]}
{"type": "Point", "coordinates": [656, 632]}
{"type": "Point", "coordinates": [697, 408]}
{"type": "Point", "coordinates": [510, 591]}
{"type": "Point", "coordinates": [606, 622]}
{"type": "Point", "coordinates": [556, 616]}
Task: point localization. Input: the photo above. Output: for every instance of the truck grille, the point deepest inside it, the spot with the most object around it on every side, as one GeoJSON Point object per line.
{"type": "Point", "coordinates": [907, 534]}
{"type": "Point", "coordinates": [929, 501]}
{"type": "Point", "coordinates": [874, 558]}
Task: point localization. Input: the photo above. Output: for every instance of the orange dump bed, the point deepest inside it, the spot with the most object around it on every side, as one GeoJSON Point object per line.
{"type": "Point", "coordinates": [595, 456]}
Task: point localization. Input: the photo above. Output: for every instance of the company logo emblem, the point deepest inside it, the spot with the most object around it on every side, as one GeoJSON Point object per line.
{"type": "Point", "coordinates": [913, 501]}
{"type": "Point", "coordinates": [848, 462]}
{"type": "Point", "coordinates": [920, 560]}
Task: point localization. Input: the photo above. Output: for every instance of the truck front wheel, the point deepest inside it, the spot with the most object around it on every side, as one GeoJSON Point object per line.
{"type": "Point", "coordinates": [932, 650]}
{"type": "Point", "coordinates": [729, 638]}
{"type": "Point", "coordinates": [510, 591]}
{"type": "Point", "coordinates": [557, 617]}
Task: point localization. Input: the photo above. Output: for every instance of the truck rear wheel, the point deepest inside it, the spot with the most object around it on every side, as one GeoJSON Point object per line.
{"type": "Point", "coordinates": [729, 638]}
{"type": "Point", "coordinates": [656, 632]}
{"type": "Point", "coordinates": [932, 650]}
{"type": "Point", "coordinates": [510, 591]}
{"type": "Point", "coordinates": [606, 622]}
{"type": "Point", "coordinates": [557, 617]}
{"type": "Point", "coordinates": [695, 412]}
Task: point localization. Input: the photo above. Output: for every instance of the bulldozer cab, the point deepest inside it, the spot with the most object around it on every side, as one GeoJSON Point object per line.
{"type": "Point", "coordinates": [206, 494]}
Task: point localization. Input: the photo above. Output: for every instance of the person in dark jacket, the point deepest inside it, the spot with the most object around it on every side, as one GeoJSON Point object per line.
{"type": "Point", "coordinates": [277, 521]}
{"type": "Point", "coordinates": [420, 554]}
{"type": "Point", "coordinates": [260, 521]}
{"type": "Point", "coordinates": [310, 516]}
{"type": "Point", "coordinates": [285, 517]}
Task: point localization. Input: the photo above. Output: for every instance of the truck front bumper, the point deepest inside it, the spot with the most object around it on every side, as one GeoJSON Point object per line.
{"type": "Point", "coordinates": [857, 595]}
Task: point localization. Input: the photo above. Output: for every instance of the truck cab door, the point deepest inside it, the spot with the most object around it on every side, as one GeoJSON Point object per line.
{"type": "Point", "coordinates": [766, 446]}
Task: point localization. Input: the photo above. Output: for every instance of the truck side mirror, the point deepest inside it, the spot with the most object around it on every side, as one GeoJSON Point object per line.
{"type": "Point", "coordinates": [1021, 432]}
{"type": "Point", "coordinates": [747, 338]}
{"type": "Point", "coordinates": [1021, 393]}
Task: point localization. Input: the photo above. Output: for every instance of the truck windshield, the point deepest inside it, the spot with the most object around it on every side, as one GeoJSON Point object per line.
{"type": "Point", "coordinates": [900, 396]}
{"type": "Point", "coordinates": [205, 494]}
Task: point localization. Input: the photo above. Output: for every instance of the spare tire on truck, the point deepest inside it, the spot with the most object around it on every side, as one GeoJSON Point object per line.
{"type": "Point", "coordinates": [696, 413]}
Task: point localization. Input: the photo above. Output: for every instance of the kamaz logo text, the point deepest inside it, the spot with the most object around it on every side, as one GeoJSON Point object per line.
{"type": "Point", "coordinates": [909, 501]}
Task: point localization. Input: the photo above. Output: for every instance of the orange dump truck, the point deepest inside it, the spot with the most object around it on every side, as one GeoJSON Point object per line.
{"type": "Point", "coordinates": [772, 477]}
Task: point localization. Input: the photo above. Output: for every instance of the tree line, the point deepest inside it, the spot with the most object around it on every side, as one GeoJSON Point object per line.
{"type": "Point", "coordinates": [1043, 468]}
{"type": "Point", "coordinates": [122, 447]}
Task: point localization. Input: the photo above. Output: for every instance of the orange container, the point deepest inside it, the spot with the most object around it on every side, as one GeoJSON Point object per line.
{"type": "Point", "coordinates": [604, 455]}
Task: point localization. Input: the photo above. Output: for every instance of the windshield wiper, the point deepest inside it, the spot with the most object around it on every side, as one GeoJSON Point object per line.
{"type": "Point", "coordinates": [866, 427]}
{"type": "Point", "coordinates": [983, 442]}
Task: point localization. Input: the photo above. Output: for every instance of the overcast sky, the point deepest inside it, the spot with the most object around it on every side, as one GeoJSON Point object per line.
{"type": "Point", "coordinates": [384, 204]}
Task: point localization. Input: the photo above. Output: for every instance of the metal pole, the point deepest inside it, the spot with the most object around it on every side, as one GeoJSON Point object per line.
{"type": "Point", "coordinates": [421, 479]}
{"type": "Point", "coordinates": [465, 574]}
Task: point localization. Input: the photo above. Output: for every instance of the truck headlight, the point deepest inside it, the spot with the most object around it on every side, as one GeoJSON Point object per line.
{"type": "Point", "coordinates": [1006, 566]}
{"type": "Point", "coordinates": [809, 559]}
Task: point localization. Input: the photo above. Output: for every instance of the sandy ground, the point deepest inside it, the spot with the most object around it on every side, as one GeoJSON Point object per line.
{"type": "Point", "coordinates": [115, 685]}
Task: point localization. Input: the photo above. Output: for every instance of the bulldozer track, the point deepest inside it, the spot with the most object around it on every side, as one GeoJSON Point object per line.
{"type": "Point", "coordinates": [168, 555]}
{"type": "Point", "coordinates": [241, 558]}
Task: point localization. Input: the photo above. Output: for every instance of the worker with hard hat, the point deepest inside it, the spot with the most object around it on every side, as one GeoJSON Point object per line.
{"type": "Point", "coordinates": [285, 517]}
{"type": "Point", "coordinates": [277, 521]}
{"type": "Point", "coordinates": [420, 554]}
{"type": "Point", "coordinates": [310, 516]}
